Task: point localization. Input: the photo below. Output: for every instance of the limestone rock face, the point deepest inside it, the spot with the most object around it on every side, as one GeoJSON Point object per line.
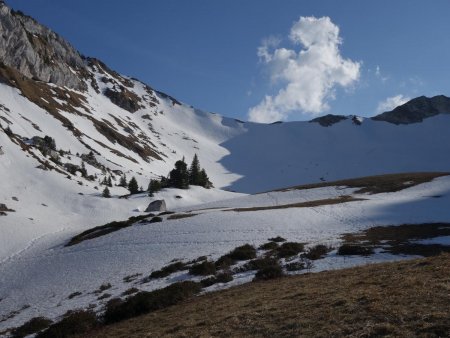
{"type": "Point", "coordinates": [37, 52]}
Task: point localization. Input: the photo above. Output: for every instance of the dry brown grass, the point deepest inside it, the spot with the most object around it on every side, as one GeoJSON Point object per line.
{"type": "Point", "coordinates": [309, 204]}
{"type": "Point", "coordinates": [377, 184]}
{"type": "Point", "coordinates": [403, 299]}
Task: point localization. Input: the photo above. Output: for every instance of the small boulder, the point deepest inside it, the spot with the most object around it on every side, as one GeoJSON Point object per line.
{"type": "Point", "coordinates": [158, 205]}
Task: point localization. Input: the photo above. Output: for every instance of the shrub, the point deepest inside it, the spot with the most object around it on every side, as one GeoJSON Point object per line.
{"type": "Point", "coordinates": [144, 302]}
{"type": "Point", "coordinates": [295, 266]}
{"type": "Point", "coordinates": [269, 272]}
{"type": "Point", "coordinates": [277, 239]}
{"type": "Point", "coordinates": [34, 325]}
{"type": "Point", "coordinates": [224, 262]}
{"type": "Point", "coordinates": [130, 291]}
{"type": "Point", "coordinates": [243, 253]}
{"type": "Point", "coordinates": [224, 277]}
{"type": "Point", "coordinates": [76, 322]}
{"type": "Point", "coordinates": [104, 287]}
{"type": "Point", "coordinates": [269, 246]}
{"type": "Point", "coordinates": [104, 296]}
{"type": "Point", "coordinates": [156, 219]}
{"type": "Point", "coordinates": [353, 249]}
{"type": "Point", "coordinates": [317, 252]}
{"type": "Point", "coordinates": [74, 294]}
{"type": "Point", "coordinates": [204, 268]}
{"type": "Point", "coordinates": [258, 264]}
{"type": "Point", "coordinates": [168, 269]}
{"type": "Point", "coordinates": [289, 249]}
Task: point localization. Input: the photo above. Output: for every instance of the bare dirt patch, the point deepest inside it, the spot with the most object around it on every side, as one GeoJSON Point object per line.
{"type": "Point", "coordinates": [377, 184]}
{"type": "Point", "coordinates": [309, 204]}
{"type": "Point", "coordinates": [401, 239]}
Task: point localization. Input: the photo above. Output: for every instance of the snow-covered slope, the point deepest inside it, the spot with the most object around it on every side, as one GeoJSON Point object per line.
{"type": "Point", "coordinates": [39, 281]}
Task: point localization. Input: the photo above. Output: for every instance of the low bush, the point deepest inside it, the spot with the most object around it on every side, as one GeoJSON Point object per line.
{"type": "Point", "coordinates": [34, 325]}
{"type": "Point", "coordinates": [317, 252]}
{"type": "Point", "coordinates": [104, 287]}
{"type": "Point", "coordinates": [277, 239]}
{"type": "Point", "coordinates": [224, 277]}
{"type": "Point", "coordinates": [76, 322]}
{"type": "Point", "coordinates": [155, 219]}
{"type": "Point", "coordinates": [130, 291]}
{"type": "Point", "coordinates": [289, 249]}
{"type": "Point", "coordinates": [224, 262]}
{"type": "Point", "coordinates": [74, 294]}
{"type": "Point", "coordinates": [204, 268]}
{"type": "Point", "coordinates": [269, 246]}
{"type": "Point", "coordinates": [243, 253]}
{"type": "Point", "coordinates": [269, 272]}
{"type": "Point", "coordinates": [258, 264]}
{"type": "Point", "coordinates": [168, 270]}
{"type": "Point", "coordinates": [144, 302]}
{"type": "Point", "coordinates": [295, 266]}
{"type": "Point", "coordinates": [353, 249]}
{"type": "Point", "coordinates": [104, 296]}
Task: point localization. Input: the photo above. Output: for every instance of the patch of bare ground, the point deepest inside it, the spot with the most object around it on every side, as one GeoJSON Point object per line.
{"type": "Point", "coordinates": [377, 184]}
{"type": "Point", "coordinates": [402, 299]}
{"type": "Point", "coordinates": [180, 216]}
{"type": "Point", "coordinates": [309, 204]}
{"type": "Point", "coordinates": [401, 239]}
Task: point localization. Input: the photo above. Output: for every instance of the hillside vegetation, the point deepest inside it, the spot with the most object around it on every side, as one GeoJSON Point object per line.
{"type": "Point", "coordinates": [406, 299]}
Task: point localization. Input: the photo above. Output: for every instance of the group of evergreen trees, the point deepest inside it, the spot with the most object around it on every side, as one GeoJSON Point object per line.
{"type": "Point", "coordinates": [132, 186]}
{"type": "Point", "coordinates": [180, 177]}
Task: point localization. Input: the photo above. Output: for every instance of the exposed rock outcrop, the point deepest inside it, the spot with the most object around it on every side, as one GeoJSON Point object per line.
{"type": "Point", "coordinates": [38, 53]}
{"type": "Point", "coordinates": [328, 120]}
{"type": "Point", "coordinates": [416, 110]}
{"type": "Point", "coordinates": [158, 205]}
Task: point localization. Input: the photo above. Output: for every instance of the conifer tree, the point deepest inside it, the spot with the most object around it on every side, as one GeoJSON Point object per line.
{"type": "Point", "coordinates": [194, 171]}
{"type": "Point", "coordinates": [123, 181]}
{"type": "Point", "coordinates": [133, 186]}
{"type": "Point", "coordinates": [153, 186]}
{"type": "Point", "coordinates": [106, 193]}
{"type": "Point", "coordinates": [179, 177]}
{"type": "Point", "coordinates": [109, 182]}
{"type": "Point", "coordinates": [83, 169]}
{"type": "Point", "coordinates": [204, 180]}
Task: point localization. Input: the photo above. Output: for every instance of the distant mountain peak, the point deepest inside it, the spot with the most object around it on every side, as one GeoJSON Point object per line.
{"type": "Point", "coordinates": [416, 110]}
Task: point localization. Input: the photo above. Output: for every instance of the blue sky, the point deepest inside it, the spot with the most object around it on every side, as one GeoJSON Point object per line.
{"type": "Point", "coordinates": [205, 53]}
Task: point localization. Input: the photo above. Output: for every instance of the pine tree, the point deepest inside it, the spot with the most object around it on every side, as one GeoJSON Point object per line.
{"type": "Point", "coordinates": [109, 182]}
{"type": "Point", "coordinates": [153, 186]}
{"type": "Point", "coordinates": [204, 180]}
{"type": "Point", "coordinates": [104, 182]}
{"type": "Point", "coordinates": [123, 181]}
{"type": "Point", "coordinates": [106, 193]}
{"type": "Point", "coordinates": [194, 171]}
{"type": "Point", "coordinates": [83, 169]}
{"type": "Point", "coordinates": [179, 177]}
{"type": "Point", "coordinates": [133, 186]}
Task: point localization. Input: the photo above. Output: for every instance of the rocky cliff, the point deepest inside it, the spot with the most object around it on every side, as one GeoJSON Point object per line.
{"type": "Point", "coordinates": [416, 110]}
{"type": "Point", "coordinates": [37, 52]}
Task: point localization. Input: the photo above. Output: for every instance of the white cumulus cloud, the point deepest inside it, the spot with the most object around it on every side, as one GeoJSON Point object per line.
{"type": "Point", "coordinates": [391, 103]}
{"type": "Point", "coordinates": [309, 73]}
